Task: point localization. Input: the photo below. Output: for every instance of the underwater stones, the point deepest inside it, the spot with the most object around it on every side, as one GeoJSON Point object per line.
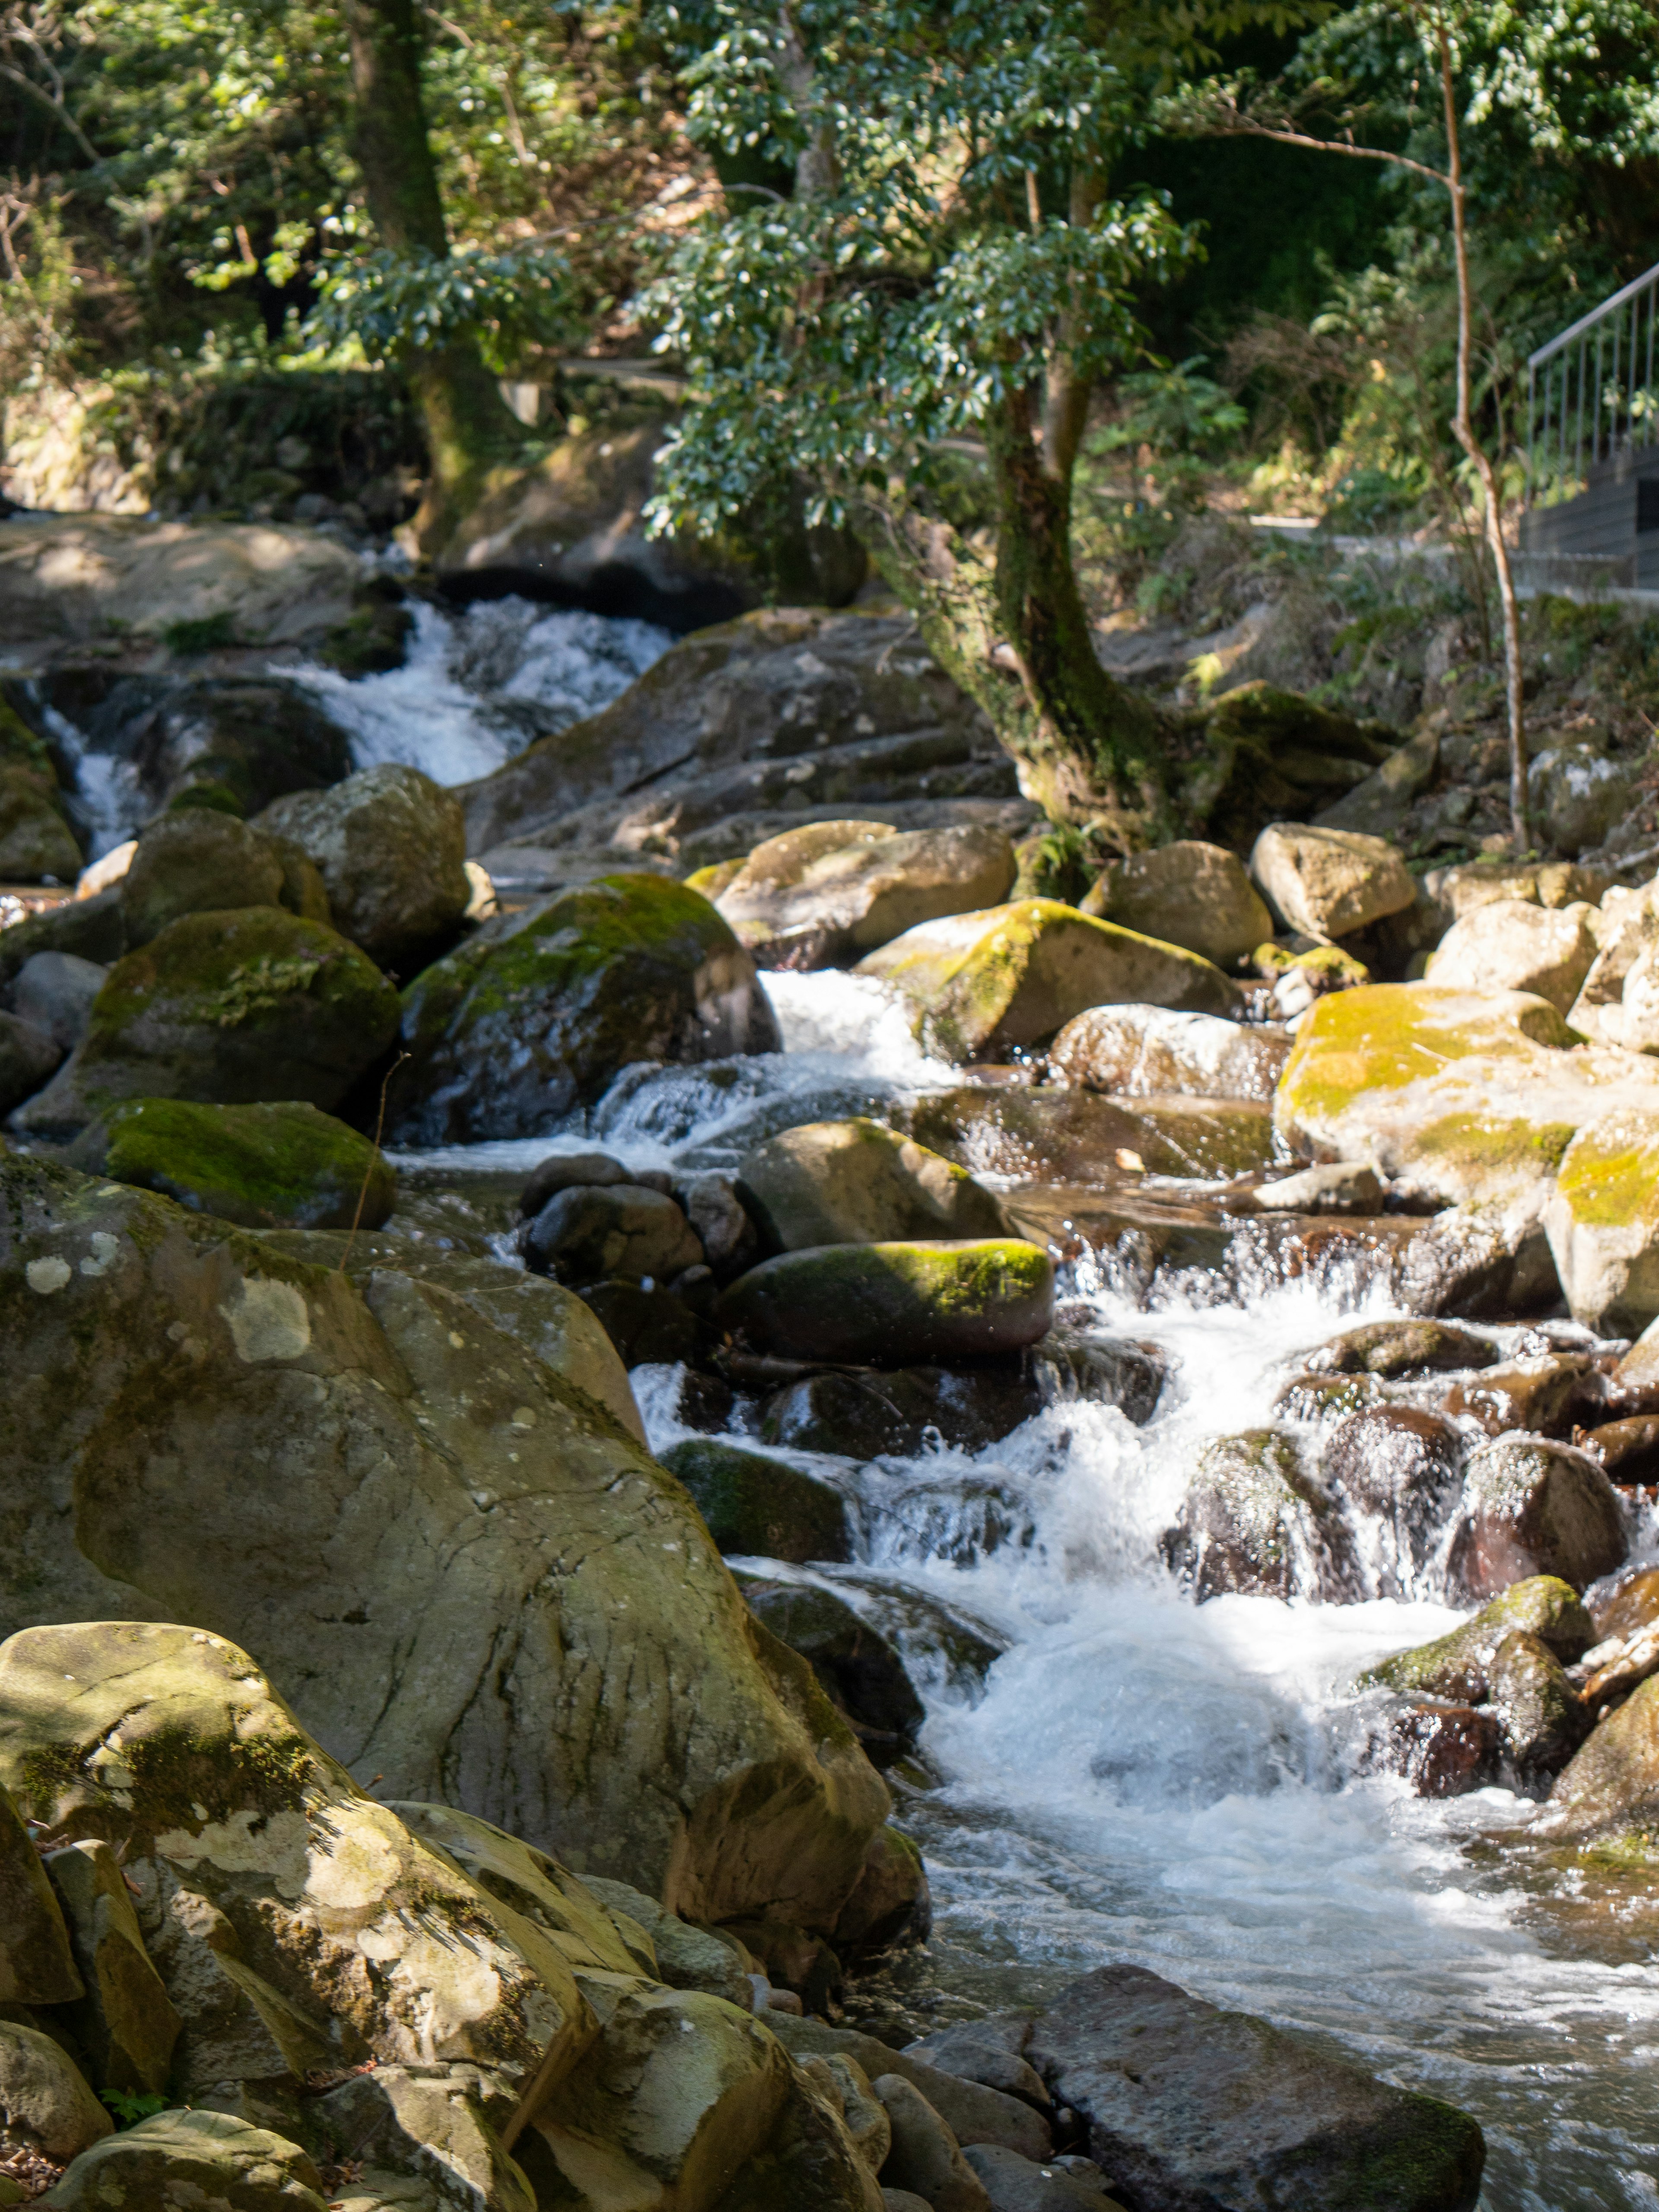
{"type": "Point", "coordinates": [860, 1669]}
{"type": "Point", "coordinates": [980, 985]}
{"type": "Point", "coordinates": [231, 1008]}
{"type": "Point", "coordinates": [1328, 882]}
{"type": "Point", "coordinates": [1602, 1221]}
{"type": "Point", "coordinates": [823, 895]}
{"type": "Point", "coordinates": [752, 1505]}
{"type": "Point", "coordinates": [1469, 1095]}
{"type": "Point", "coordinates": [894, 1304]}
{"type": "Point", "coordinates": [1455, 1665]}
{"type": "Point", "coordinates": [27, 1057]}
{"type": "Point", "coordinates": [1529, 1508]}
{"type": "Point", "coordinates": [268, 1166]}
{"type": "Point", "coordinates": [512, 1030]}
{"type": "Point", "coordinates": [587, 1233]}
{"type": "Point", "coordinates": [46, 2104]}
{"type": "Point", "coordinates": [1399, 1467]}
{"type": "Point", "coordinates": [196, 860]}
{"type": "Point", "coordinates": [1511, 946]}
{"type": "Point", "coordinates": [390, 845]}
{"type": "Point", "coordinates": [191, 2157]}
{"type": "Point", "coordinates": [1254, 1521]}
{"type": "Point", "coordinates": [859, 1182]}
{"type": "Point", "coordinates": [1393, 1350]}
{"type": "Point", "coordinates": [1135, 1051]}
{"type": "Point", "coordinates": [37, 1966]}
{"type": "Point", "coordinates": [1189, 2107]}
{"type": "Point", "coordinates": [434, 1546]}
{"type": "Point", "coordinates": [1190, 894]}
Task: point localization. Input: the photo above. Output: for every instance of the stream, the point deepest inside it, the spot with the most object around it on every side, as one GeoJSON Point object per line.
{"type": "Point", "coordinates": [1141, 1779]}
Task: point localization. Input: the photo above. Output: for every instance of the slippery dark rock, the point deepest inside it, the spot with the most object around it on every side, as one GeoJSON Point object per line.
{"type": "Point", "coordinates": [1189, 2107]}
{"type": "Point", "coordinates": [1530, 1507]}
{"type": "Point", "coordinates": [860, 1669]}
{"type": "Point", "coordinates": [1014, 2184]}
{"type": "Point", "coordinates": [28, 1056]}
{"type": "Point", "coordinates": [1399, 1469]}
{"type": "Point", "coordinates": [1396, 1350]}
{"type": "Point", "coordinates": [1254, 1521]}
{"type": "Point", "coordinates": [894, 1304]}
{"type": "Point", "coordinates": [1628, 1449]}
{"type": "Point", "coordinates": [518, 1027]}
{"type": "Point", "coordinates": [1545, 1396]}
{"type": "Point", "coordinates": [754, 1506]}
{"type": "Point", "coordinates": [1632, 1602]}
{"type": "Point", "coordinates": [864, 1413]}
{"type": "Point", "coordinates": [655, 1328]}
{"type": "Point", "coordinates": [729, 1238]}
{"type": "Point", "coordinates": [588, 1233]}
{"type": "Point", "coordinates": [1536, 1707]}
{"type": "Point", "coordinates": [1445, 1750]}
{"type": "Point", "coordinates": [196, 860]}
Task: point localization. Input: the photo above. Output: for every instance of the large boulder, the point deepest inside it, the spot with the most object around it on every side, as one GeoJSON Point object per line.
{"type": "Point", "coordinates": [1189, 893]}
{"type": "Point", "coordinates": [1511, 946]}
{"type": "Point", "coordinates": [433, 1543]}
{"type": "Point", "coordinates": [822, 896]}
{"type": "Point", "coordinates": [981, 984]}
{"type": "Point", "coordinates": [55, 991]}
{"type": "Point", "coordinates": [1138, 1052]}
{"type": "Point", "coordinates": [886, 1305]}
{"type": "Point", "coordinates": [859, 1182]}
{"type": "Point", "coordinates": [196, 860]}
{"type": "Point", "coordinates": [390, 847]}
{"type": "Point", "coordinates": [232, 1008]}
{"type": "Point", "coordinates": [1188, 2107]}
{"type": "Point", "coordinates": [512, 1031]}
{"type": "Point", "coordinates": [1474, 1096]}
{"type": "Point", "coordinates": [28, 1056]}
{"type": "Point", "coordinates": [1609, 1795]}
{"type": "Point", "coordinates": [1531, 1507]}
{"type": "Point", "coordinates": [1329, 882]}
{"type": "Point", "coordinates": [191, 2157]}
{"type": "Point", "coordinates": [46, 2104]}
{"type": "Point", "coordinates": [282, 1166]}
{"type": "Point", "coordinates": [1602, 1221]}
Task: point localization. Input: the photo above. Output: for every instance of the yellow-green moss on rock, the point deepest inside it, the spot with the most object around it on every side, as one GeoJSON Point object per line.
{"type": "Point", "coordinates": [885, 1306]}
{"type": "Point", "coordinates": [1454, 1666]}
{"type": "Point", "coordinates": [1602, 1222]}
{"type": "Point", "coordinates": [269, 1166]}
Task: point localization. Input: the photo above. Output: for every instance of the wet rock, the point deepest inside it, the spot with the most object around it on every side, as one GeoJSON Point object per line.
{"type": "Point", "coordinates": [987, 2050]}
{"type": "Point", "coordinates": [1445, 1750]}
{"type": "Point", "coordinates": [729, 1238]}
{"type": "Point", "coordinates": [1533, 1508]}
{"type": "Point", "coordinates": [1400, 1469]}
{"type": "Point", "coordinates": [232, 1009]}
{"type": "Point", "coordinates": [1629, 1603]}
{"type": "Point", "coordinates": [572, 1171]}
{"type": "Point", "coordinates": [1456, 1666]}
{"type": "Point", "coordinates": [1189, 2106]}
{"type": "Point", "coordinates": [1014, 2184]}
{"type": "Point", "coordinates": [588, 1233]}
{"type": "Point", "coordinates": [1339, 1188]}
{"type": "Point", "coordinates": [1610, 1670]}
{"type": "Point", "coordinates": [889, 1904]}
{"type": "Point", "coordinates": [1252, 1520]}
{"type": "Point", "coordinates": [822, 896]}
{"type": "Point", "coordinates": [1544, 1397]}
{"type": "Point", "coordinates": [196, 860]}
{"type": "Point", "coordinates": [1133, 1052]}
{"type": "Point", "coordinates": [37, 1966]}
{"type": "Point", "coordinates": [938, 1644]}
{"type": "Point", "coordinates": [28, 1056]}
{"type": "Point", "coordinates": [653, 1328]}
{"type": "Point", "coordinates": [185, 2157]}
{"type": "Point", "coordinates": [1536, 1707]}
{"type": "Point", "coordinates": [390, 845]}
{"type": "Point", "coordinates": [127, 2024]}
{"type": "Point", "coordinates": [421, 1467]}
{"type": "Point", "coordinates": [871, 1304]}
{"type": "Point", "coordinates": [926, 2158]}
{"type": "Point", "coordinates": [860, 1669]}
{"type": "Point", "coordinates": [1077, 1137]}
{"type": "Point", "coordinates": [859, 1182]}
{"type": "Point", "coordinates": [972, 2112]}
{"type": "Point", "coordinates": [55, 991]}
{"type": "Point", "coordinates": [1323, 1397]}
{"type": "Point", "coordinates": [1396, 1351]}
{"type": "Point", "coordinates": [1328, 882]}
{"type": "Point", "coordinates": [1513, 946]}
{"type": "Point", "coordinates": [1190, 894]}
{"type": "Point", "coordinates": [1608, 1793]}
{"type": "Point", "coordinates": [1602, 1221]}
{"type": "Point", "coordinates": [1471, 1096]}
{"type": "Point", "coordinates": [1078, 1362]}
{"type": "Point", "coordinates": [760, 1507]}
{"type": "Point", "coordinates": [266, 1166]}
{"type": "Point", "coordinates": [516, 1030]}
{"type": "Point", "coordinates": [980, 985]}
{"type": "Point", "coordinates": [865, 1413]}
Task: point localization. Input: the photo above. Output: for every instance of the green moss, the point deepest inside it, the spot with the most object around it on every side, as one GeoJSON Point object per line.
{"type": "Point", "coordinates": [1454, 1666]}
{"type": "Point", "coordinates": [1610, 1176]}
{"type": "Point", "coordinates": [1489, 1141]}
{"type": "Point", "coordinates": [266, 1166]}
{"type": "Point", "coordinates": [1384, 1036]}
{"type": "Point", "coordinates": [754, 1505]}
{"type": "Point", "coordinates": [891, 1304]}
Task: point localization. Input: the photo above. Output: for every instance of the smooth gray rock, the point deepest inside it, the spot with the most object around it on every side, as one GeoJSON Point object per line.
{"type": "Point", "coordinates": [55, 991]}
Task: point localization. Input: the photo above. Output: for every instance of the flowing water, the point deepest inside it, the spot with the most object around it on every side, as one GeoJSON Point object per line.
{"type": "Point", "coordinates": [1139, 1779]}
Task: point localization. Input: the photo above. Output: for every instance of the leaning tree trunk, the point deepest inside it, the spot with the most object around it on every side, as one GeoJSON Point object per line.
{"type": "Point", "coordinates": [470, 431]}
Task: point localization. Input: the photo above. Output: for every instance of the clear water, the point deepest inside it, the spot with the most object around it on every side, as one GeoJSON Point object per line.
{"type": "Point", "coordinates": [1140, 1779]}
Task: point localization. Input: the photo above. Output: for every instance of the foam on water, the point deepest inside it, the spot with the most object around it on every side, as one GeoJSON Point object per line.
{"type": "Point", "coordinates": [1142, 1779]}
{"type": "Point", "coordinates": [477, 687]}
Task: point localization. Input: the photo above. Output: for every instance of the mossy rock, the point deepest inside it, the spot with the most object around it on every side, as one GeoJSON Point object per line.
{"type": "Point", "coordinates": [755, 1505]}
{"type": "Point", "coordinates": [981, 985]}
{"type": "Point", "coordinates": [270, 1166]}
{"type": "Point", "coordinates": [197, 860]}
{"type": "Point", "coordinates": [1455, 1665]}
{"type": "Point", "coordinates": [1254, 1521]}
{"type": "Point", "coordinates": [893, 1304]}
{"type": "Point", "coordinates": [1393, 1349]}
{"type": "Point", "coordinates": [1609, 1795]}
{"type": "Point", "coordinates": [506, 1036]}
{"type": "Point", "coordinates": [36, 843]}
{"type": "Point", "coordinates": [1602, 1221]}
{"type": "Point", "coordinates": [1274, 756]}
{"type": "Point", "coordinates": [232, 1008]}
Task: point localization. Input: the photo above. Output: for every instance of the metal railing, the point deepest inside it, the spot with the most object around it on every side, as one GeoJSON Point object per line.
{"type": "Point", "coordinates": [1590, 393]}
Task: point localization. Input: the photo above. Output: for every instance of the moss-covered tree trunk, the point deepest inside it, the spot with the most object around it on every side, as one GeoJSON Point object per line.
{"type": "Point", "coordinates": [470, 431]}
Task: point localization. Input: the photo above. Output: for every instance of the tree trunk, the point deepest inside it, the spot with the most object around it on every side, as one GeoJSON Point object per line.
{"type": "Point", "coordinates": [470, 430]}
